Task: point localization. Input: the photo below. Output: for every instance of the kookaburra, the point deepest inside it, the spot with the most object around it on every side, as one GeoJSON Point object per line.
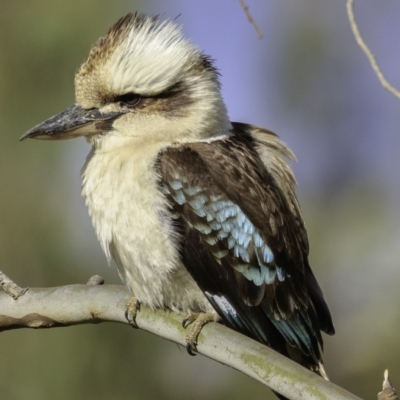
{"type": "Point", "coordinates": [198, 212]}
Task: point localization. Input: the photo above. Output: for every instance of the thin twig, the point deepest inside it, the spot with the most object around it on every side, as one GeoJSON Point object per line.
{"type": "Point", "coordinates": [388, 391]}
{"type": "Point", "coordinates": [10, 287]}
{"type": "Point", "coordinates": [367, 51]}
{"type": "Point", "coordinates": [250, 18]}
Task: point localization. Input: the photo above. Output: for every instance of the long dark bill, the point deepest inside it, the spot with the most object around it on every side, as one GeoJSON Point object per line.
{"type": "Point", "coordinates": [73, 122]}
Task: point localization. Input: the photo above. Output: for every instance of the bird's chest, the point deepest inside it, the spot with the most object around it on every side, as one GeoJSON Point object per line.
{"type": "Point", "coordinates": [132, 223]}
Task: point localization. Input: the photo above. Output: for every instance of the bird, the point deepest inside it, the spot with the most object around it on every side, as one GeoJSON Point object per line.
{"type": "Point", "coordinates": [198, 212]}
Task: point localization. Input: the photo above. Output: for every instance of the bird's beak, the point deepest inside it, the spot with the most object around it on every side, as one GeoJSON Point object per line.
{"type": "Point", "coordinates": [73, 122]}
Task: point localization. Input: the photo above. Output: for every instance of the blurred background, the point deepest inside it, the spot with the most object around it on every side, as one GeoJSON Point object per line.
{"type": "Point", "coordinates": [308, 81]}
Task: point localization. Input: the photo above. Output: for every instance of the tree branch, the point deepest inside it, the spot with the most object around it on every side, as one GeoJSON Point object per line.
{"type": "Point", "coordinates": [367, 51]}
{"type": "Point", "coordinates": [250, 18]}
{"type": "Point", "coordinates": [83, 304]}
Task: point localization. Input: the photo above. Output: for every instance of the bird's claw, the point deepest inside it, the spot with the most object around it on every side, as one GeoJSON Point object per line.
{"type": "Point", "coordinates": [189, 319]}
{"type": "Point", "coordinates": [131, 310]}
{"type": "Point", "coordinates": [197, 321]}
{"type": "Point", "coordinates": [191, 348]}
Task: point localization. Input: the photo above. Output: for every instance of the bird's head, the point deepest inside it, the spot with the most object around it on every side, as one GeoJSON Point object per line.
{"type": "Point", "coordinates": [142, 82]}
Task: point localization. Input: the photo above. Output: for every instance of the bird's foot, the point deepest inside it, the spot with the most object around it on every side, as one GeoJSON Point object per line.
{"type": "Point", "coordinates": [196, 322]}
{"type": "Point", "coordinates": [131, 310]}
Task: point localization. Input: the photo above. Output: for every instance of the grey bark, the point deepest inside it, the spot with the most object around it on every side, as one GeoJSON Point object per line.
{"type": "Point", "coordinates": [83, 304]}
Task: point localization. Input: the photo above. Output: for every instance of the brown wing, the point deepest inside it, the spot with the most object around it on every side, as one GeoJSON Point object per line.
{"type": "Point", "coordinates": [243, 241]}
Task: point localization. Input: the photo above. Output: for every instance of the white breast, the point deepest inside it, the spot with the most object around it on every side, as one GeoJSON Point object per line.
{"type": "Point", "coordinates": [131, 220]}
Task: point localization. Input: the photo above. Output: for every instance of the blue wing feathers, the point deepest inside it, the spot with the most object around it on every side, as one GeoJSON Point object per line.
{"type": "Point", "coordinates": [221, 219]}
{"type": "Point", "coordinates": [179, 197]}
{"type": "Point", "coordinates": [176, 185]}
{"type": "Point", "coordinates": [191, 191]}
{"type": "Point", "coordinates": [198, 201]}
{"type": "Point", "coordinates": [245, 245]}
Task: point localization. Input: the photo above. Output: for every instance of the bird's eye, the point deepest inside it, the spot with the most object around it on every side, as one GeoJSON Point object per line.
{"type": "Point", "coordinates": [129, 100]}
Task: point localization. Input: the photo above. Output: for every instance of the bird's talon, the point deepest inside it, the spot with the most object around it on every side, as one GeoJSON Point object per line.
{"type": "Point", "coordinates": [131, 319]}
{"type": "Point", "coordinates": [198, 320]}
{"type": "Point", "coordinates": [190, 318]}
{"type": "Point", "coordinates": [191, 348]}
{"type": "Point", "coordinates": [132, 308]}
